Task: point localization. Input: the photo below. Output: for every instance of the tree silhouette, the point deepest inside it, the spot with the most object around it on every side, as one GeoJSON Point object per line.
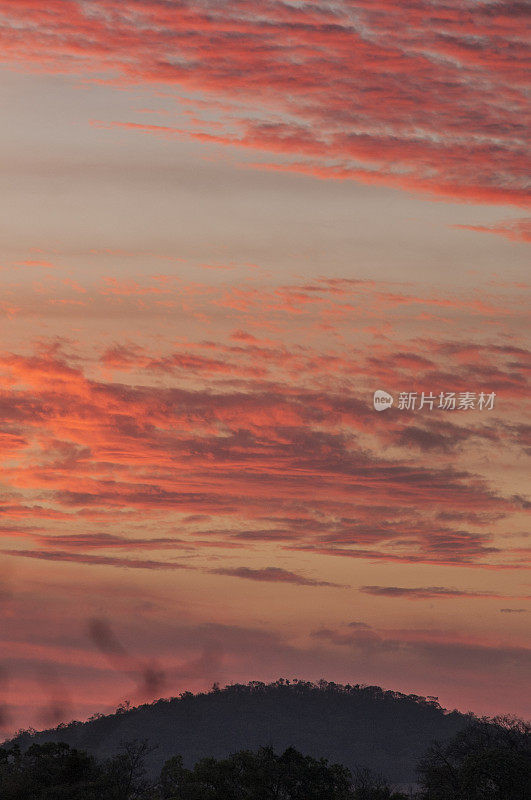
{"type": "Point", "coordinates": [52, 771]}
{"type": "Point", "coordinates": [367, 785]}
{"type": "Point", "coordinates": [125, 773]}
{"type": "Point", "coordinates": [262, 775]}
{"type": "Point", "coordinates": [489, 760]}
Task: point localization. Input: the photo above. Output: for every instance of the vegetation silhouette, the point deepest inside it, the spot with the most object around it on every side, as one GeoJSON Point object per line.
{"type": "Point", "coordinates": [490, 759]}
{"type": "Point", "coordinates": [384, 731]}
{"type": "Point", "coordinates": [54, 771]}
{"type": "Point", "coordinates": [487, 760]}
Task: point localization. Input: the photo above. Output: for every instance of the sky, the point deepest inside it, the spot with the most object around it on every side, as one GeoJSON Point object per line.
{"type": "Point", "coordinates": [223, 227]}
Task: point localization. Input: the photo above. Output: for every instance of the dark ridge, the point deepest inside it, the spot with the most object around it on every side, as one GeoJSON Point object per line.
{"type": "Point", "coordinates": [352, 725]}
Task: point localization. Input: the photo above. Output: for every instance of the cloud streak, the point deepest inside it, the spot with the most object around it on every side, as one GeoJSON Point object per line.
{"type": "Point", "coordinates": [273, 575]}
{"type": "Point", "coordinates": [427, 593]}
{"type": "Point", "coordinates": [106, 561]}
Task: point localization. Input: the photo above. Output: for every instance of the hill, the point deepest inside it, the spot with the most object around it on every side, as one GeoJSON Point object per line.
{"type": "Point", "coordinates": [353, 725]}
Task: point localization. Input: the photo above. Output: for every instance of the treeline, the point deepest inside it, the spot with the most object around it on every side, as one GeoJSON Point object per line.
{"type": "Point", "coordinates": [488, 760]}
{"type": "Point", "coordinates": [322, 687]}
{"type": "Point", "coordinates": [258, 690]}
{"type": "Point", "coordinates": [54, 771]}
{"type": "Point", "coordinates": [387, 731]}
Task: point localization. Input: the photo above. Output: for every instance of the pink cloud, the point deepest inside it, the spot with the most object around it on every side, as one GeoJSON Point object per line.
{"type": "Point", "coordinates": [427, 97]}
{"type": "Point", "coordinates": [518, 230]}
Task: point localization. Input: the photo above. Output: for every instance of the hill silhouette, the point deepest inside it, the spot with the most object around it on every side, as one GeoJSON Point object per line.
{"type": "Point", "coordinates": [353, 725]}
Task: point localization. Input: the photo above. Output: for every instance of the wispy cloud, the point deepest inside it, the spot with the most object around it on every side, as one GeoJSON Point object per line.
{"type": "Point", "coordinates": [83, 558]}
{"type": "Point", "coordinates": [427, 593]}
{"type": "Point", "coordinates": [518, 230]}
{"type": "Point", "coordinates": [419, 95]}
{"type": "Point", "coordinates": [272, 574]}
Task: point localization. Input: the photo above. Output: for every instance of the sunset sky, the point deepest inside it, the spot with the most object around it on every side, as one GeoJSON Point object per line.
{"type": "Point", "coordinates": [225, 225]}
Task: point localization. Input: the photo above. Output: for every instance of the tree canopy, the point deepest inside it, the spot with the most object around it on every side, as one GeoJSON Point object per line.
{"type": "Point", "coordinates": [489, 760]}
{"type": "Point", "coordinates": [54, 771]}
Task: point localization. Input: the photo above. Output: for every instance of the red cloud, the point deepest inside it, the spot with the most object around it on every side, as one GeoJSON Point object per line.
{"type": "Point", "coordinates": [421, 95]}
{"type": "Point", "coordinates": [242, 441]}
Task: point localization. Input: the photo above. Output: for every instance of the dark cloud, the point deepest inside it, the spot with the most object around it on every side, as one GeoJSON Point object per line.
{"type": "Point", "coordinates": [104, 638]}
{"type": "Point", "coordinates": [422, 651]}
{"type": "Point", "coordinates": [83, 558]}
{"type": "Point", "coordinates": [151, 679]}
{"type": "Point", "coordinates": [272, 574]}
{"type": "Point", "coordinates": [111, 541]}
{"type": "Point", "coordinates": [424, 593]}
{"type": "Point", "coordinates": [459, 545]}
